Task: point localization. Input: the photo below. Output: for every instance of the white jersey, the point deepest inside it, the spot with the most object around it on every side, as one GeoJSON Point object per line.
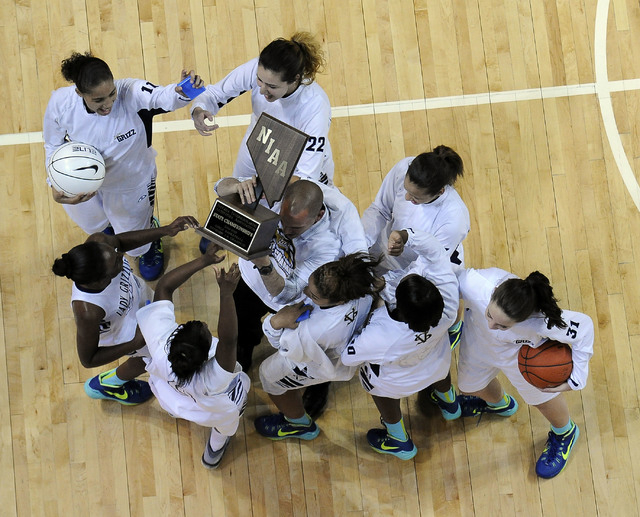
{"type": "Point", "coordinates": [310, 354]}
{"type": "Point", "coordinates": [123, 137]}
{"type": "Point", "coordinates": [447, 218]}
{"type": "Point", "coordinates": [397, 361]}
{"type": "Point", "coordinates": [120, 300]}
{"type": "Point", "coordinates": [294, 260]}
{"type": "Point", "coordinates": [214, 397]}
{"type": "Point", "coordinates": [482, 347]}
{"type": "Point", "coordinates": [345, 221]}
{"type": "Point", "coordinates": [307, 109]}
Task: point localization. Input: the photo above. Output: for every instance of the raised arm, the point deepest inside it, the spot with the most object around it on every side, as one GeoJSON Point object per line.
{"type": "Point", "coordinates": [178, 276]}
{"type": "Point", "coordinates": [130, 240]}
{"type": "Point", "coordinates": [226, 351]}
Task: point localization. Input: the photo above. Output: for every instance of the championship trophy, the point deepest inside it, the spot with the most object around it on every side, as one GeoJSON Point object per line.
{"type": "Point", "coordinates": [247, 229]}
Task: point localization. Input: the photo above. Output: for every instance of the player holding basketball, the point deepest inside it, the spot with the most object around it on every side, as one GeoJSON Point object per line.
{"type": "Point", "coordinates": [339, 294]}
{"type": "Point", "coordinates": [404, 346]}
{"type": "Point", "coordinates": [115, 117]}
{"type": "Point", "coordinates": [282, 83]}
{"type": "Point", "coordinates": [194, 375]}
{"type": "Point", "coordinates": [502, 313]}
{"type": "Point", "coordinates": [417, 200]}
{"type": "Point", "coordinates": [105, 297]}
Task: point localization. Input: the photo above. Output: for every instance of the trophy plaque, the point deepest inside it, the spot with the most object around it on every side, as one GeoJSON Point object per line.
{"type": "Point", "coordinates": [247, 229]}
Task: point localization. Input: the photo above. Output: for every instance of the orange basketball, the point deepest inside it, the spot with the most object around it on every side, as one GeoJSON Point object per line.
{"type": "Point", "coordinates": [547, 366]}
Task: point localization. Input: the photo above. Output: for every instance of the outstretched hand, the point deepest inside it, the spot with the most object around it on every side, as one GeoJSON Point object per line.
{"type": "Point", "coordinates": [184, 222]}
{"type": "Point", "coordinates": [227, 281]}
{"type": "Point", "coordinates": [199, 116]}
{"type": "Point", "coordinates": [211, 255]}
{"type": "Point", "coordinates": [196, 81]}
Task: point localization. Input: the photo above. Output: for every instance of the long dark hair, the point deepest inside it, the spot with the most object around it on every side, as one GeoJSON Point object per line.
{"type": "Point", "coordinates": [434, 170]}
{"type": "Point", "coordinates": [418, 303]}
{"type": "Point", "coordinates": [84, 264]}
{"type": "Point", "coordinates": [301, 55]}
{"type": "Point", "coordinates": [85, 71]}
{"type": "Point", "coordinates": [348, 278]}
{"type": "Point", "coordinates": [519, 298]}
{"type": "Point", "coordinates": [188, 351]}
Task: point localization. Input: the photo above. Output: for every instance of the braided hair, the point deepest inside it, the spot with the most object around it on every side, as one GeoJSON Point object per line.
{"type": "Point", "coordinates": [348, 278]}
{"type": "Point", "coordinates": [188, 351]}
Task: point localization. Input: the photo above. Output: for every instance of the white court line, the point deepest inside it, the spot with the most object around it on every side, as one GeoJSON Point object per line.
{"type": "Point", "coordinates": [380, 108]}
{"type": "Point", "coordinates": [603, 90]}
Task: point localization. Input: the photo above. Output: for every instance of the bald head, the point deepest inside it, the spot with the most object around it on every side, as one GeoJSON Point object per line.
{"type": "Point", "coordinates": [301, 207]}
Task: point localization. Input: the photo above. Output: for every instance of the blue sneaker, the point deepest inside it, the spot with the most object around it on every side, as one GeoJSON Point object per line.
{"type": "Point", "coordinates": [450, 410]}
{"type": "Point", "coordinates": [277, 427]}
{"type": "Point", "coordinates": [152, 262]}
{"type": "Point", "coordinates": [475, 406]}
{"type": "Point", "coordinates": [130, 393]}
{"type": "Point", "coordinates": [204, 244]}
{"type": "Point", "coordinates": [108, 230]}
{"type": "Point", "coordinates": [210, 458]}
{"type": "Point", "coordinates": [381, 441]}
{"type": "Point", "coordinates": [556, 452]}
{"type": "Point", "coordinates": [454, 334]}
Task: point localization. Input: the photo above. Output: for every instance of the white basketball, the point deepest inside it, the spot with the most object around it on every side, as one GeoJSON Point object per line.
{"type": "Point", "coordinates": [76, 168]}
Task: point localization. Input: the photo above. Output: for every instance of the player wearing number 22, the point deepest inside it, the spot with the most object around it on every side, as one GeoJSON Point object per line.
{"type": "Point", "coordinates": [114, 117]}
{"type": "Point", "coordinates": [502, 313]}
{"type": "Point", "coordinates": [281, 82]}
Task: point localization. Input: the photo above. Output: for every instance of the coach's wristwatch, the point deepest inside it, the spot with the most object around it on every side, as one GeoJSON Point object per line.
{"type": "Point", "coordinates": [264, 270]}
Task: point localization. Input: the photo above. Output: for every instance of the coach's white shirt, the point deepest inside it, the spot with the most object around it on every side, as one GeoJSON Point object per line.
{"type": "Point", "coordinates": [447, 218]}
{"type": "Point", "coordinates": [294, 260]}
{"type": "Point", "coordinates": [123, 137]}
{"type": "Point", "coordinates": [499, 348]}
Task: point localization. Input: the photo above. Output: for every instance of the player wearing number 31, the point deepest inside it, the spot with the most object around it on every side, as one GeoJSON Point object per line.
{"type": "Point", "coordinates": [281, 82]}
{"type": "Point", "coordinates": [502, 313]}
{"type": "Point", "coordinates": [115, 118]}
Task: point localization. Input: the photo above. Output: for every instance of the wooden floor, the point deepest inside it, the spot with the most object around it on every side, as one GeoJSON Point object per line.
{"type": "Point", "coordinates": [541, 99]}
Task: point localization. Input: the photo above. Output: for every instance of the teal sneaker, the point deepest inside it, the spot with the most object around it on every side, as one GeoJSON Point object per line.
{"type": "Point", "coordinates": [454, 335]}
{"type": "Point", "coordinates": [475, 406]}
{"type": "Point", "coordinates": [381, 441]}
{"type": "Point", "coordinates": [450, 409]}
{"type": "Point", "coordinates": [277, 427]}
{"type": "Point", "coordinates": [556, 452]}
{"type": "Point", "coordinates": [130, 393]}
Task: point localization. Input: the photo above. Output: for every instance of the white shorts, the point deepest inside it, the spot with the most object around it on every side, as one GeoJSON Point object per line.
{"type": "Point", "coordinates": [395, 381]}
{"type": "Point", "coordinates": [475, 374]}
{"type": "Point", "coordinates": [223, 410]}
{"type": "Point", "coordinates": [279, 374]}
{"type": "Point", "coordinates": [124, 211]}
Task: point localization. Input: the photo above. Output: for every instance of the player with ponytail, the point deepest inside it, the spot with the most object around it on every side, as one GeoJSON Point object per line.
{"type": "Point", "coordinates": [114, 116]}
{"type": "Point", "coordinates": [416, 201]}
{"type": "Point", "coordinates": [503, 313]}
{"type": "Point", "coordinates": [104, 298]}
{"type": "Point", "coordinates": [282, 84]}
